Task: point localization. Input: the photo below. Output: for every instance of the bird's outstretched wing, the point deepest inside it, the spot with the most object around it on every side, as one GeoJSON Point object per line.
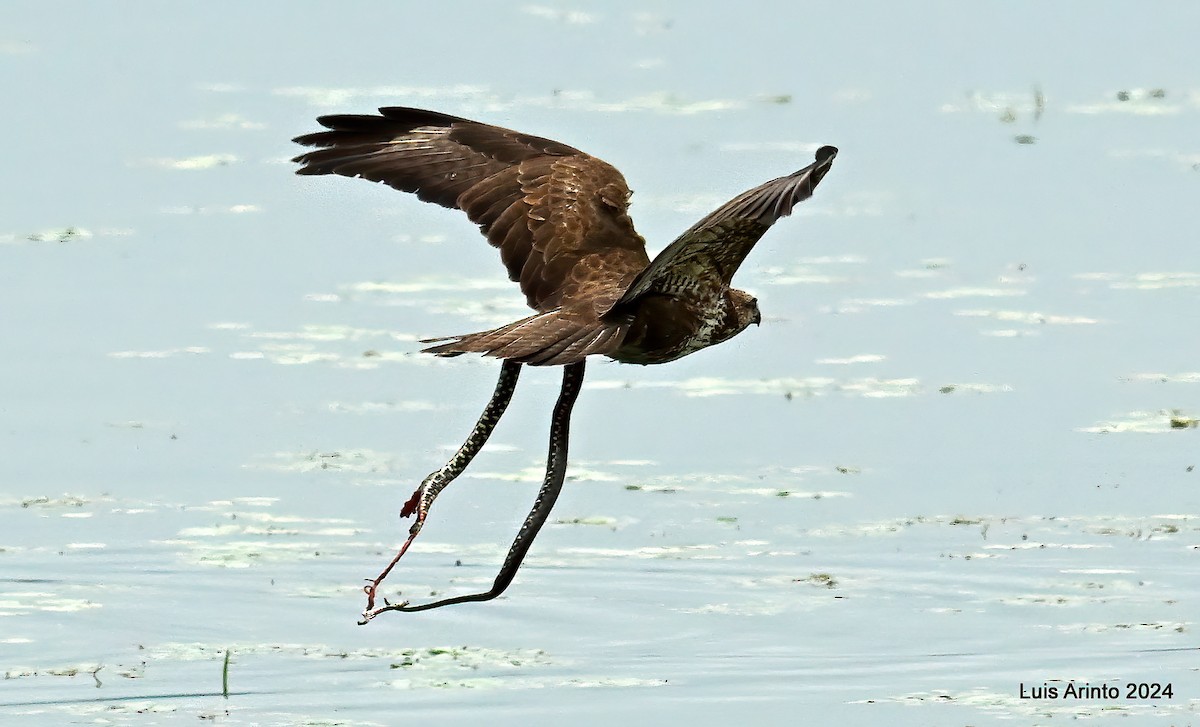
{"type": "Point", "coordinates": [714, 248]}
{"type": "Point", "coordinates": [559, 216]}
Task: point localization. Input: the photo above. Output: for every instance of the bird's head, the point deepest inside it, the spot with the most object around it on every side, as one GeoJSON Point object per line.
{"type": "Point", "coordinates": [744, 308]}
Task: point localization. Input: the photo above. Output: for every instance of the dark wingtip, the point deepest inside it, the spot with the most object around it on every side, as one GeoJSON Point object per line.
{"type": "Point", "coordinates": [343, 129]}
{"type": "Point", "coordinates": [826, 154]}
{"type": "Point", "coordinates": [418, 117]}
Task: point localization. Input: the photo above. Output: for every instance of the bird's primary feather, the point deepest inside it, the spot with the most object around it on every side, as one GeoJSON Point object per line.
{"type": "Point", "coordinates": [560, 219]}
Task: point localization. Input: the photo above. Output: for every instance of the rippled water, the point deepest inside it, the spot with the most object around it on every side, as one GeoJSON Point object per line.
{"type": "Point", "coordinates": [955, 462]}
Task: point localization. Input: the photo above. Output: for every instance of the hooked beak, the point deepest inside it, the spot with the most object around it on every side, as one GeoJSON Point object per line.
{"type": "Point", "coordinates": [757, 319]}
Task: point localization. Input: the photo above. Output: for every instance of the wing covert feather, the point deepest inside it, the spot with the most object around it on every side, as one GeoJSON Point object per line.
{"type": "Point", "coordinates": [715, 247]}
{"type": "Point", "coordinates": [545, 205]}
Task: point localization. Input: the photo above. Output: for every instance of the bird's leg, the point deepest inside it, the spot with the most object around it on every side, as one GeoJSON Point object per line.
{"type": "Point", "coordinates": [556, 471]}
{"type": "Point", "coordinates": [422, 499]}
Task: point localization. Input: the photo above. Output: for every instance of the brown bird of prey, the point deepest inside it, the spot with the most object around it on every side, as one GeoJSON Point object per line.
{"type": "Point", "coordinates": [560, 220]}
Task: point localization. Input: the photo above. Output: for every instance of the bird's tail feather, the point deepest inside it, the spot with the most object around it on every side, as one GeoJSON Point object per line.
{"type": "Point", "coordinates": [553, 338]}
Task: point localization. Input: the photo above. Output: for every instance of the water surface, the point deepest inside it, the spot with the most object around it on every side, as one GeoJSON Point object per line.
{"type": "Point", "coordinates": [957, 457]}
